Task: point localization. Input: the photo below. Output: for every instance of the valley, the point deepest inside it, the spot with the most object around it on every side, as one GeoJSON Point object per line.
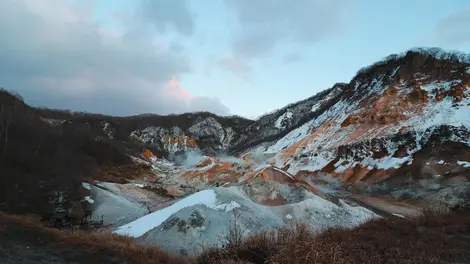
{"type": "Point", "coordinates": [387, 147]}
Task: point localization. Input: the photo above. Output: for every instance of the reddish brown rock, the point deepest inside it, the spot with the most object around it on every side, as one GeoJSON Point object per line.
{"type": "Point", "coordinates": [458, 92]}
{"type": "Point", "coordinates": [379, 155]}
{"type": "Point", "coordinates": [330, 167]}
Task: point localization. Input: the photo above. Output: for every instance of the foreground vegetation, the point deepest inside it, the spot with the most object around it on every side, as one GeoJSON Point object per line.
{"type": "Point", "coordinates": [434, 237]}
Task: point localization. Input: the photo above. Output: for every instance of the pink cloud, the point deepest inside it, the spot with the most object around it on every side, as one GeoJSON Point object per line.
{"type": "Point", "coordinates": [88, 66]}
{"type": "Point", "coordinates": [175, 88]}
{"type": "Point", "coordinates": [174, 83]}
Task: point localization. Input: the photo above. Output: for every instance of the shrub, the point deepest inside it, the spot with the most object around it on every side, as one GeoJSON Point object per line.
{"type": "Point", "coordinates": [433, 237]}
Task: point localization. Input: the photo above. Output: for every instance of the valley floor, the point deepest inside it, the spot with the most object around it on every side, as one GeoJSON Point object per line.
{"type": "Point", "coordinates": [431, 238]}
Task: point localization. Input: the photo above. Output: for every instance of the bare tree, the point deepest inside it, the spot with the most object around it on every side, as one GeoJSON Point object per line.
{"type": "Point", "coordinates": [5, 119]}
{"type": "Point", "coordinates": [236, 232]}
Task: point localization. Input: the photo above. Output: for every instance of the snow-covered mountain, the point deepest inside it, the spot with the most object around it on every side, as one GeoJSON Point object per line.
{"type": "Point", "coordinates": [393, 140]}
{"type": "Point", "coordinates": [396, 122]}
{"type": "Point", "coordinates": [398, 129]}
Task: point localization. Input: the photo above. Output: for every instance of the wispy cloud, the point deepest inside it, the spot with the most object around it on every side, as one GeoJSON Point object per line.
{"type": "Point", "coordinates": [454, 28]}
{"type": "Point", "coordinates": [265, 24]}
{"type": "Point", "coordinates": [292, 58]}
{"type": "Point", "coordinates": [233, 64]}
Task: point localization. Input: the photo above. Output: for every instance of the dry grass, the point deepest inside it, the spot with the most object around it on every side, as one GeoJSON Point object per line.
{"type": "Point", "coordinates": [121, 246]}
{"type": "Point", "coordinates": [124, 173]}
{"type": "Point", "coordinates": [434, 237]}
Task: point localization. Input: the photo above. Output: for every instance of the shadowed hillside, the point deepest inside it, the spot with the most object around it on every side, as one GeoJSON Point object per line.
{"type": "Point", "coordinates": [42, 165]}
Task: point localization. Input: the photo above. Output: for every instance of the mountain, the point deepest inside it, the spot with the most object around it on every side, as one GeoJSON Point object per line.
{"type": "Point", "coordinates": [165, 135]}
{"type": "Point", "coordinates": [390, 143]}
{"type": "Point", "coordinates": [400, 126]}
{"type": "Point", "coordinates": [437, 64]}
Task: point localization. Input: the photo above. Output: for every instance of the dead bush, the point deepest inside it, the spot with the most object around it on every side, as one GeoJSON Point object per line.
{"type": "Point", "coordinates": [433, 237]}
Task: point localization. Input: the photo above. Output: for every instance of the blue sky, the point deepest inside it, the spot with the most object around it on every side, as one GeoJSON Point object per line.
{"type": "Point", "coordinates": [244, 57]}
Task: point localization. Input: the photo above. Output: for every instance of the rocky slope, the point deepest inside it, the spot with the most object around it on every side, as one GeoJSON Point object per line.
{"type": "Point", "coordinates": [393, 140]}
{"type": "Point", "coordinates": [165, 135]}
{"type": "Point", "coordinates": [400, 124]}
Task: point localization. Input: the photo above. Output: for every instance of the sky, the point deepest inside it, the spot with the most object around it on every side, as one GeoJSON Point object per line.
{"type": "Point", "coordinates": [230, 57]}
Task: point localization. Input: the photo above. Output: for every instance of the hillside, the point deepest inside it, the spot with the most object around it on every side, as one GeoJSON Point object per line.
{"type": "Point", "coordinates": [389, 144]}
{"type": "Point", "coordinates": [48, 153]}
{"type": "Point", "coordinates": [400, 125]}
{"type": "Point", "coordinates": [43, 165]}
{"type": "Point", "coordinates": [165, 135]}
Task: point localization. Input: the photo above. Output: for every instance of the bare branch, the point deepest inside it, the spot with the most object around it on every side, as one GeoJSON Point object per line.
{"type": "Point", "coordinates": [6, 126]}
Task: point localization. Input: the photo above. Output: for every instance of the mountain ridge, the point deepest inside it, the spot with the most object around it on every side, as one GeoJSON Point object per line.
{"type": "Point", "coordinates": [360, 134]}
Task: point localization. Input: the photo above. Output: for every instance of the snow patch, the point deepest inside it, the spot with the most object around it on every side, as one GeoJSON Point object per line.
{"type": "Point", "coordinates": [146, 223]}
{"type": "Point", "coordinates": [342, 168]}
{"type": "Point", "coordinates": [441, 113]}
{"type": "Point", "coordinates": [392, 162]}
{"type": "Point", "coordinates": [88, 199]}
{"type": "Point", "coordinates": [315, 107]}
{"type": "Point", "coordinates": [399, 215]}
{"type": "Point", "coordinates": [232, 159]}
{"type": "Point", "coordinates": [283, 172]}
{"type": "Point", "coordinates": [227, 207]}
{"type": "Point", "coordinates": [464, 164]}
{"type": "Point", "coordinates": [314, 164]}
{"type": "Point", "coordinates": [284, 117]}
{"type": "Point", "coordinates": [395, 71]}
{"type": "Point", "coordinates": [262, 167]}
{"type": "Point", "coordinates": [205, 168]}
{"type": "Point", "coordinates": [437, 85]}
{"type": "Point", "coordinates": [86, 186]}
{"type": "Point", "coordinates": [53, 122]}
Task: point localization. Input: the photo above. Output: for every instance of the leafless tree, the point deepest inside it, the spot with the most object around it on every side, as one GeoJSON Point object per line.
{"type": "Point", "coordinates": [236, 232]}
{"type": "Point", "coordinates": [5, 119]}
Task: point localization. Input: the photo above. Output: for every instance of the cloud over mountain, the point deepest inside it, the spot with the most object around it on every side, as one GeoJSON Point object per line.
{"type": "Point", "coordinates": [56, 55]}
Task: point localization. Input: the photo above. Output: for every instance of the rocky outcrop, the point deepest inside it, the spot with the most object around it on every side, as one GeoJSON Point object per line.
{"type": "Point", "coordinates": [273, 126]}
{"type": "Point", "coordinates": [170, 140]}
{"type": "Point", "coordinates": [205, 134]}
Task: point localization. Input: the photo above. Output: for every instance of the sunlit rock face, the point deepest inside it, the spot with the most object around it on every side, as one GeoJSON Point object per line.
{"type": "Point", "coordinates": [205, 134]}
{"type": "Point", "coordinates": [379, 129]}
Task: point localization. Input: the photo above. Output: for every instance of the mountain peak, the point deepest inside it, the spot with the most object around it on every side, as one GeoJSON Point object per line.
{"type": "Point", "coordinates": [418, 60]}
